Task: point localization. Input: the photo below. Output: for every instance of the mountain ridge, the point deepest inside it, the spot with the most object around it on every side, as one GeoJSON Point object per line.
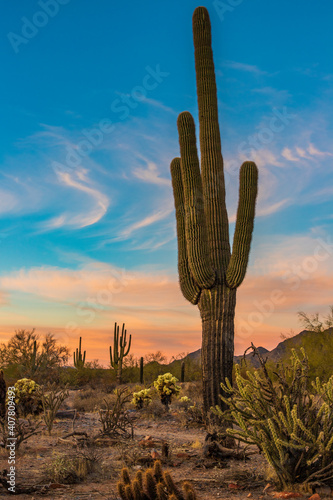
{"type": "Point", "coordinates": [279, 352]}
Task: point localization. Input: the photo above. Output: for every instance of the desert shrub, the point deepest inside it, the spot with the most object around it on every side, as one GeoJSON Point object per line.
{"type": "Point", "coordinates": [26, 356]}
{"type": "Point", "coordinates": [192, 416]}
{"type": "Point", "coordinates": [193, 390]}
{"type": "Point", "coordinates": [27, 398]}
{"type": "Point", "coordinates": [141, 398]}
{"type": "Point", "coordinates": [90, 400]}
{"type": "Point", "coordinates": [291, 420]}
{"type": "Point", "coordinates": [313, 322]}
{"type": "Point", "coordinates": [21, 431]}
{"type": "Point", "coordinates": [69, 469]}
{"type": "Point", "coordinates": [155, 410]}
{"type": "Point", "coordinates": [166, 388]}
{"type": "Point", "coordinates": [90, 375]}
{"type": "Point", "coordinates": [51, 398]}
{"type": "Point", "coordinates": [182, 403]}
{"type": "Point", "coordinates": [192, 369]}
{"type": "Point", "coordinates": [115, 418]}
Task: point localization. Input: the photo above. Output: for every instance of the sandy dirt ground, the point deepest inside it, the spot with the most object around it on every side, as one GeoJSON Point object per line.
{"type": "Point", "coordinates": [211, 478]}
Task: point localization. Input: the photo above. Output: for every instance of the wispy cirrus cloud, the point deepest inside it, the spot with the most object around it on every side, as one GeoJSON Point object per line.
{"type": "Point", "coordinates": [150, 173]}
{"type": "Point", "coordinates": [288, 155]}
{"type": "Point", "coordinates": [87, 217]}
{"type": "Point", "coordinates": [249, 68]}
{"type": "Point", "coordinates": [312, 150]}
{"type": "Point", "coordinates": [146, 221]}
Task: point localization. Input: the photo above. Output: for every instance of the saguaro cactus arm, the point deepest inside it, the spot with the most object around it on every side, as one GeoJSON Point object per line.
{"type": "Point", "coordinates": [123, 342]}
{"type": "Point", "coordinates": [248, 181]}
{"type": "Point", "coordinates": [188, 286]}
{"type": "Point", "coordinates": [210, 145]}
{"type": "Point", "coordinates": [195, 226]}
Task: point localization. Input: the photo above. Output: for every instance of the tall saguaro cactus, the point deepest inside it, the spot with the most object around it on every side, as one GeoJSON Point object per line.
{"type": "Point", "coordinates": [119, 350]}
{"type": "Point", "coordinates": [209, 273]}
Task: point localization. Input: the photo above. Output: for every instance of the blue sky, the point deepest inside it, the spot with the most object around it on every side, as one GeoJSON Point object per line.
{"type": "Point", "coordinates": [90, 99]}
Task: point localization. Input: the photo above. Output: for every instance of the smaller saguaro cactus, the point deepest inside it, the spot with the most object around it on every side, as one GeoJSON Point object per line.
{"type": "Point", "coordinates": [141, 370]}
{"type": "Point", "coordinates": [34, 357]}
{"type": "Point", "coordinates": [32, 364]}
{"type": "Point", "coordinates": [79, 360]}
{"type": "Point", "coordinates": [182, 371]}
{"type": "Point", "coordinates": [121, 348]}
{"type": "Point", "coordinates": [3, 394]}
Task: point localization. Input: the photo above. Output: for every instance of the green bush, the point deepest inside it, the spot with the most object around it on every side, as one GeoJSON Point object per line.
{"type": "Point", "coordinates": [68, 469]}
{"type": "Point", "coordinates": [94, 377]}
{"type": "Point", "coordinates": [290, 420]}
{"type": "Point", "coordinates": [26, 355]}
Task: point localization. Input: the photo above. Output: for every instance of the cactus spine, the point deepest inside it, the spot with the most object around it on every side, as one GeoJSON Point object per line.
{"type": "Point", "coordinates": [119, 350]}
{"type": "Point", "coordinates": [208, 273]}
{"type": "Point", "coordinates": [79, 360]}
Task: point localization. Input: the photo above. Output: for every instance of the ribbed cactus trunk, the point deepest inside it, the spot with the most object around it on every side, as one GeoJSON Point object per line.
{"type": "Point", "coordinates": [209, 273]}
{"type": "Point", "coordinates": [217, 309]}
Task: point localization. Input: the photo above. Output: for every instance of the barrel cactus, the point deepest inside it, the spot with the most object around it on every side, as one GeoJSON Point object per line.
{"type": "Point", "coordinates": [209, 273]}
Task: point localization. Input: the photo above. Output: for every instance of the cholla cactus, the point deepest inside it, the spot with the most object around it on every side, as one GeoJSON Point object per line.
{"type": "Point", "coordinates": [290, 421]}
{"type": "Point", "coordinates": [141, 398]}
{"type": "Point", "coordinates": [166, 387]}
{"type": "Point", "coordinates": [154, 484]}
{"type": "Point", "coordinates": [27, 400]}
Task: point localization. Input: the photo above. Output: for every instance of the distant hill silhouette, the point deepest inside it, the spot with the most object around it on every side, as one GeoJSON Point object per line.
{"type": "Point", "coordinates": [283, 348]}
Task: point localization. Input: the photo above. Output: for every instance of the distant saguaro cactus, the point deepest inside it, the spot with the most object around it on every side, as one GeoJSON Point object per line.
{"type": "Point", "coordinates": [141, 370]}
{"type": "Point", "coordinates": [33, 364]}
{"type": "Point", "coordinates": [78, 359]}
{"type": "Point", "coordinates": [3, 394]}
{"type": "Point", "coordinates": [119, 350]}
{"type": "Point", "coordinates": [209, 273]}
{"type": "Point", "coordinates": [182, 371]}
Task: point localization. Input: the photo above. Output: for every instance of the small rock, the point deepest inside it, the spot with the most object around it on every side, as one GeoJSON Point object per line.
{"type": "Point", "coordinates": [147, 443]}
{"type": "Point", "coordinates": [154, 454]}
{"type": "Point", "coordinates": [234, 486]}
{"type": "Point", "coordinates": [286, 494]}
{"type": "Point", "coordinates": [324, 491]}
{"type": "Point", "coordinates": [249, 495]}
{"type": "Point", "coordinates": [315, 497]}
{"type": "Point", "coordinates": [182, 454]}
{"type": "Point", "coordinates": [55, 486]}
